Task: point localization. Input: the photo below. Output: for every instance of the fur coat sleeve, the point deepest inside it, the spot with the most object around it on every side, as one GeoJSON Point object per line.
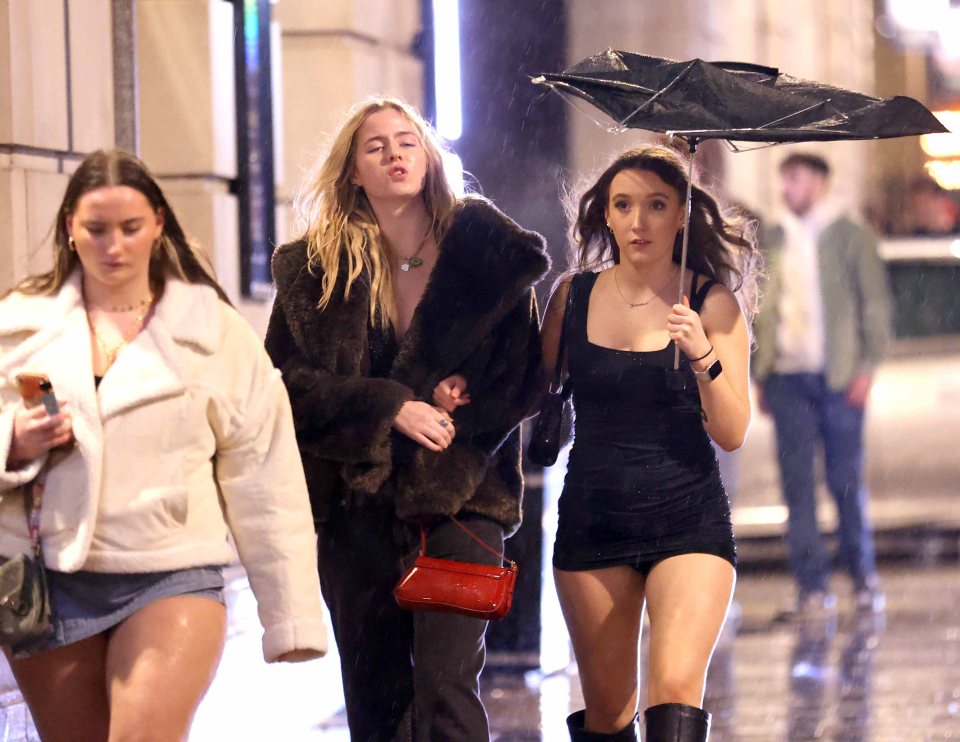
{"type": "Point", "coordinates": [340, 414]}
{"type": "Point", "coordinates": [477, 317]}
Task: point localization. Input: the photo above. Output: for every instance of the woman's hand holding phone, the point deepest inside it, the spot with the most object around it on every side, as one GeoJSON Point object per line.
{"type": "Point", "coordinates": [35, 430]}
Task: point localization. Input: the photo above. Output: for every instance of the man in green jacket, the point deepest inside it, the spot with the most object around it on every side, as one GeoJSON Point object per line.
{"type": "Point", "coordinates": [823, 326]}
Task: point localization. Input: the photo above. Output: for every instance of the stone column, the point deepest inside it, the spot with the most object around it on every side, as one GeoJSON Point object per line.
{"type": "Point", "coordinates": [126, 113]}
{"type": "Point", "coordinates": [335, 54]}
{"type": "Point", "coordinates": [56, 104]}
{"type": "Point", "coordinates": [187, 105]}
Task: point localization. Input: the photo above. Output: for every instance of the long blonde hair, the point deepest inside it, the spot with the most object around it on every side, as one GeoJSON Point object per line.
{"type": "Point", "coordinates": [337, 219]}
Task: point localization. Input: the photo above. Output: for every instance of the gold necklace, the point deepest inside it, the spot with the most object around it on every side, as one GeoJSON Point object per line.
{"type": "Point", "coordinates": [125, 307]}
{"type": "Point", "coordinates": [634, 305]}
{"type": "Point", "coordinates": [415, 261]}
{"type": "Point", "coordinates": [110, 352]}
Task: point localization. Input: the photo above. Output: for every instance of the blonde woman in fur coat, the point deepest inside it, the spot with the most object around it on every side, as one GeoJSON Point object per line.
{"type": "Point", "coordinates": [174, 431]}
{"type": "Point", "coordinates": [406, 330]}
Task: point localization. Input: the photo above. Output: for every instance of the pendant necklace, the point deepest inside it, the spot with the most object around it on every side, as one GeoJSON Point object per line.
{"type": "Point", "coordinates": [634, 305]}
{"type": "Point", "coordinates": [415, 261]}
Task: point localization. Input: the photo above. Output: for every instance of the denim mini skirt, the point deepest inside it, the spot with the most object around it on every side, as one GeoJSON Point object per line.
{"type": "Point", "coordinates": [84, 604]}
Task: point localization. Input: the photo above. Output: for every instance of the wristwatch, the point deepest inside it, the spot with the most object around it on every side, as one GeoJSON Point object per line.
{"type": "Point", "coordinates": [710, 373]}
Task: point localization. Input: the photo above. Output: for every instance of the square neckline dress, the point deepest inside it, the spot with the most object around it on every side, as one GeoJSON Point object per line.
{"type": "Point", "coordinates": [642, 482]}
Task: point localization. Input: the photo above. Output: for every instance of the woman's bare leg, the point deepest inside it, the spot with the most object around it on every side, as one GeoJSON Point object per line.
{"type": "Point", "coordinates": [687, 600]}
{"type": "Point", "coordinates": [603, 610]}
{"type": "Point", "coordinates": [66, 691]}
{"type": "Point", "coordinates": [160, 662]}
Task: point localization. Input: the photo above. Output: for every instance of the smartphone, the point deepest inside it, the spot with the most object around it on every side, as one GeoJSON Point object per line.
{"type": "Point", "coordinates": [37, 389]}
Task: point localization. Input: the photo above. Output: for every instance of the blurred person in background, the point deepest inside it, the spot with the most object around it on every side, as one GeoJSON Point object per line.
{"type": "Point", "coordinates": [643, 518]}
{"type": "Point", "coordinates": [823, 327]}
{"type": "Point", "coordinates": [180, 435]}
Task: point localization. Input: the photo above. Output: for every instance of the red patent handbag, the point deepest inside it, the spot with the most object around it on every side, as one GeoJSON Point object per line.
{"type": "Point", "coordinates": [476, 590]}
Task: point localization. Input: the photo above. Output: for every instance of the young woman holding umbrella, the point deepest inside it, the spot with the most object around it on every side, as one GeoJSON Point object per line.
{"type": "Point", "coordinates": [644, 518]}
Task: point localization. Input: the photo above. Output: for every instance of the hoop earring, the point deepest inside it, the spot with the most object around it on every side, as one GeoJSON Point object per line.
{"type": "Point", "coordinates": [71, 245]}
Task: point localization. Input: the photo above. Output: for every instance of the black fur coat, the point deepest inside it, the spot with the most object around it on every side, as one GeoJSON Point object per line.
{"type": "Point", "coordinates": [478, 317]}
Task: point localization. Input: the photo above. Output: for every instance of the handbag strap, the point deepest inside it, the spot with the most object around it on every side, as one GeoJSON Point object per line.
{"type": "Point", "coordinates": [471, 534]}
{"type": "Point", "coordinates": [562, 343]}
{"type": "Point", "coordinates": [33, 505]}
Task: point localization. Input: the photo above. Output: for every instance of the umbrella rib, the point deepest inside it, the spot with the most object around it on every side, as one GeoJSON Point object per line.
{"type": "Point", "coordinates": [795, 113]}
{"type": "Point", "coordinates": [621, 85]}
{"type": "Point", "coordinates": [734, 148]}
{"type": "Point", "coordinates": [731, 134]}
{"type": "Point", "coordinates": [683, 73]}
{"type": "Point", "coordinates": [762, 127]}
{"type": "Point", "coordinates": [571, 99]}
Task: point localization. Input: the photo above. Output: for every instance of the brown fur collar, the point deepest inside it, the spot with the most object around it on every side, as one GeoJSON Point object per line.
{"type": "Point", "coordinates": [486, 264]}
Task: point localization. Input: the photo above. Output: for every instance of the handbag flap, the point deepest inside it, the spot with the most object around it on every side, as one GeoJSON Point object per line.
{"type": "Point", "coordinates": [11, 581]}
{"type": "Point", "coordinates": [468, 568]}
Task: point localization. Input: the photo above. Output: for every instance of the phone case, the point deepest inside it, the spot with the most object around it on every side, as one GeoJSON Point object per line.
{"type": "Point", "coordinates": [37, 389]}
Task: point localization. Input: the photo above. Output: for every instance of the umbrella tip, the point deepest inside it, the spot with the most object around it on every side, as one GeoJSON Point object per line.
{"type": "Point", "coordinates": [538, 80]}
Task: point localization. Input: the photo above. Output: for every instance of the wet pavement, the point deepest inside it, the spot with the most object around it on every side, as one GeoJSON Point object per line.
{"type": "Point", "coordinates": [869, 678]}
{"type": "Point", "coordinates": [894, 677]}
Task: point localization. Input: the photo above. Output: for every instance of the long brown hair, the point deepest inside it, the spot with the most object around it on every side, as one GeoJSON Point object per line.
{"type": "Point", "coordinates": [722, 244]}
{"type": "Point", "coordinates": [338, 220]}
{"type": "Point", "coordinates": [175, 255]}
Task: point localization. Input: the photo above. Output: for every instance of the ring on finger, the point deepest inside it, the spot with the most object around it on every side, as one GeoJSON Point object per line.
{"type": "Point", "coordinates": [444, 422]}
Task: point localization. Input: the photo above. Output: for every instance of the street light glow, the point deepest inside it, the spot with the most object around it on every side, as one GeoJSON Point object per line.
{"type": "Point", "coordinates": [453, 169]}
{"type": "Point", "coordinates": [446, 66]}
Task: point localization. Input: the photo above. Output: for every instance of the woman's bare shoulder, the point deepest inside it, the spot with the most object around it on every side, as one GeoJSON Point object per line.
{"type": "Point", "coordinates": [720, 307]}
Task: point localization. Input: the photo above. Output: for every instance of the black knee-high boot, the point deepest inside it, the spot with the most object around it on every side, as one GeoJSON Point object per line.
{"type": "Point", "coordinates": [630, 733]}
{"type": "Point", "coordinates": [676, 722]}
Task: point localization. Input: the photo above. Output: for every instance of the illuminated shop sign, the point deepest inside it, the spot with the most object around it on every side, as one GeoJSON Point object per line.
{"type": "Point", "coordinates": [944, 151]}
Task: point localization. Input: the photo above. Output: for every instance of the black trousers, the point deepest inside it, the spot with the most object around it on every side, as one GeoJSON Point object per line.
{"type": "Point", "coordinates": [407, 677]}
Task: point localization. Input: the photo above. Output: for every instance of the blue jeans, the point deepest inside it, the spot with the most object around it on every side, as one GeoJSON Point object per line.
{"type": "Point", "coordinates": [805, 411]}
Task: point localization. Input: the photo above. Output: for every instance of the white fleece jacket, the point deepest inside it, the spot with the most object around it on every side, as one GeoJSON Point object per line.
{"type": "Point", "coordinates": [188, 439]}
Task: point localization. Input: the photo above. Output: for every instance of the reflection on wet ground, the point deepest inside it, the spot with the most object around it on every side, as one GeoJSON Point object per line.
{"type": "Point", "coordinates": [855, 679]}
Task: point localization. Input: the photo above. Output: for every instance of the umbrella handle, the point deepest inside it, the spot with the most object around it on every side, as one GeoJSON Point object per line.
{"type": "Point", "coordinates": [686, 241]}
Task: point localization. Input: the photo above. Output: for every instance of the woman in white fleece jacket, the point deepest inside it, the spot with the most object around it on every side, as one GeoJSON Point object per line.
{"type": "Point", "coordinates": [175, 430]}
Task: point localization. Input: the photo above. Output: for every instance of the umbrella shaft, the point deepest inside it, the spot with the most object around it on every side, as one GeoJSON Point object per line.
{"type": "Point", "coordinates": [686, 242]}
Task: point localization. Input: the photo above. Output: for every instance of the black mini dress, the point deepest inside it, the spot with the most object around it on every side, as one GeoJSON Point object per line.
{"type": "Point", "coordinates": [642, 481]}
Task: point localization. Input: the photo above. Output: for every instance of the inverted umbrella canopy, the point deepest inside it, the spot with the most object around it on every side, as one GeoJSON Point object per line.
{"type": "Point", "coordinates": [733, 101]}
